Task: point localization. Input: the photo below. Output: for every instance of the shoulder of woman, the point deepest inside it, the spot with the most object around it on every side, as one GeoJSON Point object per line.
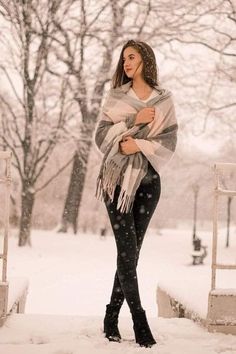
{"type": "Point", "coordinates": [123, 88]}
{"type": "Point", "coordinates": [163, 91]}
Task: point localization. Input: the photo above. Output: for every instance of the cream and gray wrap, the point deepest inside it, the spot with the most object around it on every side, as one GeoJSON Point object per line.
{"type": "Point", "coordinates": [156, 141]}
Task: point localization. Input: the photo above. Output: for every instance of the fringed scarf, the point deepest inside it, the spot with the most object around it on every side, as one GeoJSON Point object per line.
{"type": "Point", "coordinates": [156, 141]}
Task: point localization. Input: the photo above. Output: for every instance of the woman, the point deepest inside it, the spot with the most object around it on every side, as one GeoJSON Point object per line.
{"type": "Point", "coordinates": [136, 133]}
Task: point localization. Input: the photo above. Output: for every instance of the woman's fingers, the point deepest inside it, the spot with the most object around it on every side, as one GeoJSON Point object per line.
{"type": "Point", "coordinates": [150, 111]}
{"type": "Point", "coordinates": [153, 111]}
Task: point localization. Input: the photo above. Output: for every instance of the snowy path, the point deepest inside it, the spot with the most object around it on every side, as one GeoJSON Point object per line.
{"type": "Point", "coordinates": [70, 282]}
{"type": "Point", "coordinates": [74, 274]}
{"type": "Point", "coordinates": [43, 334]}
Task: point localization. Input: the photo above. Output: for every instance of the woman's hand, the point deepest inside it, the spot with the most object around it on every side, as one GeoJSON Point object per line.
{"type": "Point", "coordinates": [128, 146]}
{"type": "Point", "coordinates": [146, 115]}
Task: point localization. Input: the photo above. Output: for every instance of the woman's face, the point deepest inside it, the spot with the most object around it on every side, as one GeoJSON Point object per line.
{"type": "Point", "coordinates": [133, 64]}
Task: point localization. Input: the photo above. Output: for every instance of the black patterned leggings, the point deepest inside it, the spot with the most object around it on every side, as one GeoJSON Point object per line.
{"type": "Point", "coordinates": [129, 230]}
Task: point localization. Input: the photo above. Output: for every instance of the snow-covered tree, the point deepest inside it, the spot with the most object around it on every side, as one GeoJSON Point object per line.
{"type": "Point", "coordinates": [33, 104]}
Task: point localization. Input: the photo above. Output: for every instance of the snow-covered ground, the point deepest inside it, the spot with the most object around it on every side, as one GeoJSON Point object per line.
{"type": "Point", "coordinates": [70, 282]}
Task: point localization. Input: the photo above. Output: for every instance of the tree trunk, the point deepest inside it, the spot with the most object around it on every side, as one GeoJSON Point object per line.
{"type": "Point", "coordinates": [27, 203]}
{"type": "Point", "coordinates": [228, 220]}
{"type": "Point", "coordinates": [14, 216]}
{"type": "Point", "coordinates": [76, 185]}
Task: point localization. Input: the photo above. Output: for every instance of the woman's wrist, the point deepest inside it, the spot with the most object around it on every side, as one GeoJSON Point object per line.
{"type": "Point", "coordinates": [137, 147]}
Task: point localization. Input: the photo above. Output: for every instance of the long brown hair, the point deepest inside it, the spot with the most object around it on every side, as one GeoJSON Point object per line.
{"type": "Point", "coordinates": [150, 70]}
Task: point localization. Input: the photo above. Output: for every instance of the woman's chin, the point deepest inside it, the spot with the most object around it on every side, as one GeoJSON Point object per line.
{"type": "Point", "coordinates": [129, 75]}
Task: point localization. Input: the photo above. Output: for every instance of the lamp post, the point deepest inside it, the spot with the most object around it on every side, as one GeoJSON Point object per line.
{"type": "Point", "coordinates": [195, 194]}
{"type": "Point", "coordinates": [199, 251]}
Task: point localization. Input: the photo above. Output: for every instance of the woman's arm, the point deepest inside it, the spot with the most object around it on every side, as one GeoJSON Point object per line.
{"type": "Point", "coordinates": [160, 149]}
{"type": "Point", "coordinates": [159, 145]}
{"type": "Point", "coordinates": [106, 131]}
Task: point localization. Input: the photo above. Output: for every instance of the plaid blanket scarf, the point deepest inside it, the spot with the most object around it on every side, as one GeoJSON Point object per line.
{"type": "Point", "coordinates": [156, 141]}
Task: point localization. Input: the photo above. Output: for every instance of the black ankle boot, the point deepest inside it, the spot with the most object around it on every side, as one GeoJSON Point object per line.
{"type": "Point", "coordinates": [110, 323]}
{"type": "Point", "coordinates": [143, 334]}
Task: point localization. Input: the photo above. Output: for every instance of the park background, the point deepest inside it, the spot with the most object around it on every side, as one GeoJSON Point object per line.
{"type": "Point", "coordinates": [56, 64]}
{"type": "Point", "coordinates": [57, 60]}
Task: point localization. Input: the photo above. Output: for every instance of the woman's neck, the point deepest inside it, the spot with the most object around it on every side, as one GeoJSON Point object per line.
{"type": "Point", "coordinates": [139, 84]}
{"type": "Point", "coordinates": [141, 88]}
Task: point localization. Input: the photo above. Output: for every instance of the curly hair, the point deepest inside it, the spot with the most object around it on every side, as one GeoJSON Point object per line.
{"type": "Point", "coordinates": [150, 69]}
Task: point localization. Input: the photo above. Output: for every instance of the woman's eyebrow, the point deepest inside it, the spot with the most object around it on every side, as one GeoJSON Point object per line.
{"type": "Point", "coordinates": [129, 55]}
